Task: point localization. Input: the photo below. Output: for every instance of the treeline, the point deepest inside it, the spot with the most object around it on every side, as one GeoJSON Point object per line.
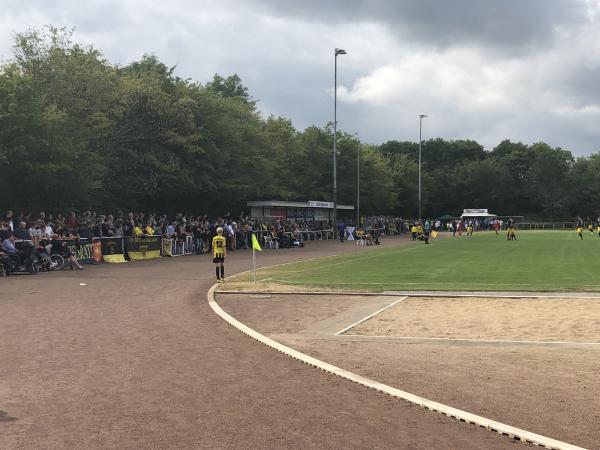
{"type": "Point", "coordinates": [77, 132]}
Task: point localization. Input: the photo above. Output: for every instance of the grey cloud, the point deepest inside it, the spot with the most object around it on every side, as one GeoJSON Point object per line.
{"type": "Point", "coordinates": [282, 51]}
{"type": "Point", "coordinates": [515, 24]}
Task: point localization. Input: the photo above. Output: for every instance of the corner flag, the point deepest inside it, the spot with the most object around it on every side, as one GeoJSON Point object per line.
{"type": "Point", "coordinates": [255, 244]}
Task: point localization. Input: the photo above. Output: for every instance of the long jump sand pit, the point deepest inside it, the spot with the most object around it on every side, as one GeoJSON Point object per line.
{"type": "Point", "coordinates": [535, 320]}
{"type": "Point", "coordinates": [507, 369]}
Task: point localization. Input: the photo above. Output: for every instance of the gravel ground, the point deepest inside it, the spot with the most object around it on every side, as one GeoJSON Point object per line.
{"type": "Point", "coordinates": [553, 390]}
{"type": "Point", "coordinates": [137, 359]}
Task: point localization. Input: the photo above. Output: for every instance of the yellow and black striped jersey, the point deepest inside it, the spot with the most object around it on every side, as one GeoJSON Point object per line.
{"type": "Point", "coordinates": [218, 245]}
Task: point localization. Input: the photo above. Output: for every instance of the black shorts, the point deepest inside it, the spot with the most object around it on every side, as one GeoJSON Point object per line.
{"type": "Point", "coordinates": [219, 259]}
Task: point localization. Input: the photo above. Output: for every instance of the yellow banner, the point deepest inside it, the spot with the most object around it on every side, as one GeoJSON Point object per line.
{"type": "Point", "coordinates": [114, 258]}
{"type": "Point", "coordinates": [152, 254]}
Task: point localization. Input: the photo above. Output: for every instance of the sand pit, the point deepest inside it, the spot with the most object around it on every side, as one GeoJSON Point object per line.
{"type": "Point", "coordinates": [526, 319]}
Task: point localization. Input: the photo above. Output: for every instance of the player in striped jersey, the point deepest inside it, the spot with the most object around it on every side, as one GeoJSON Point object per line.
{"type": "Point", "coordinates": [219, 248]}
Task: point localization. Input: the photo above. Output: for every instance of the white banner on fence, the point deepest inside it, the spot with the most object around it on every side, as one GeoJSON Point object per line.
{"type": "Point", "coordinates": [350, 231]}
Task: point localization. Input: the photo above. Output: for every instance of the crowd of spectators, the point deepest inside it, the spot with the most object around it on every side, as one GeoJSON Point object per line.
{"type": "Point", "coordinates": [44, 229]}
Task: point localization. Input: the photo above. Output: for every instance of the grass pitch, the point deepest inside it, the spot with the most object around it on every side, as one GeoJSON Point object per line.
{"type": "Point", "coordinates": [537, 261]}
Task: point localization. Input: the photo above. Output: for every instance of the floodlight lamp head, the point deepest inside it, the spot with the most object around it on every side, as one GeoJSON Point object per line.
{"type": "Point", "coordinates": [423, 115]}
{"type": "Point", "coordinates": [340, 51]}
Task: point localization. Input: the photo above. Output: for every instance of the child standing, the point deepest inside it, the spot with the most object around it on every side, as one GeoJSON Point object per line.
{"type": "Point", "coordinates": [219, 248]}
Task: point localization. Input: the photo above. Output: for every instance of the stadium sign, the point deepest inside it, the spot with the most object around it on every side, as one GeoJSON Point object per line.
{"type": "Point", "coordinates": [475, 211]}
{"type": "Point", "coordinates": [315, 204]}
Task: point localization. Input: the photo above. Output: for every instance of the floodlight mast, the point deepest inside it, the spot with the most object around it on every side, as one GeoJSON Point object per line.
{"type": "Point", "coordinates": [337, 51]}
{"type": "Point", "coordinates": [421, 116]}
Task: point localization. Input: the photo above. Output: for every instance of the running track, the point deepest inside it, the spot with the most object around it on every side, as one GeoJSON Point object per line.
{"type": "Point", "coordinates": [137, 359]}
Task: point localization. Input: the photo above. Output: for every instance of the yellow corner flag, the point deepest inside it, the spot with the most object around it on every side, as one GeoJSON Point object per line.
{"type": "Point", "coordinates": [255, 244]}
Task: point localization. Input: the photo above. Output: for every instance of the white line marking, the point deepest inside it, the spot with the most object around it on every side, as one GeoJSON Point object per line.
{"type": "Point", "coordinates": [425, 294]}
{"type": "Point", "coordinates": [405, 283]}
{"type": "Point", "coordinates": [491, 294]}
{"type": "Point", "coordinates": [489, 341]}
{"type": "Point", "coordinates": [370, 315]}
{"type": "Point", "coordinates": [492, 425]}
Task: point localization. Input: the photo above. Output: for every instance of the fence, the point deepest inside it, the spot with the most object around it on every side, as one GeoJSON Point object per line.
{"type": "Point", "coordinates": [178, 247]}
{"type": "Point", "coordinates": [547, 226]}
{"type": "Point", "coordinates": [114, 249]}
{"type": "Point", "coordinates": [318, 235]}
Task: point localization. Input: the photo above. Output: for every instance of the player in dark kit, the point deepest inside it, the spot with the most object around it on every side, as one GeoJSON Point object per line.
{"type": "Point", "coordinates": [219, 248]}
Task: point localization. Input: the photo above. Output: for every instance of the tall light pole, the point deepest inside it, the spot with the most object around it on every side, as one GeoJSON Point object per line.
{"type": "Point", "coordinates": [421, 116]}
{"type": "Point", "coordinates": [358, 187]}
{"type": "Point", "coordinates": [337, 51]}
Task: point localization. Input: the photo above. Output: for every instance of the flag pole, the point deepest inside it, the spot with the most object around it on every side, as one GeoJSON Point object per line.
{"type": "Point", "coordinates": [254, 262]}
{"type": "Point", "coordinates": [255, 246]}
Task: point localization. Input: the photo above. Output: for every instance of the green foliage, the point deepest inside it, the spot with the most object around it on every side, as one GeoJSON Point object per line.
{"type": "Point", "coordinates": [77, 132]}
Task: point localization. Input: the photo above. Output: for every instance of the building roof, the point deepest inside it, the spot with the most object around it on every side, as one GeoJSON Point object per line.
{"type": "Point", "coordinates": [476, 213]}
{"type": "Point", "coordinates": [308, 204]}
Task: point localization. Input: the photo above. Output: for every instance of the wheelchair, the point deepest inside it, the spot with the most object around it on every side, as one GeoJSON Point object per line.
{"type": "Point", "coordinates": [26, 260]}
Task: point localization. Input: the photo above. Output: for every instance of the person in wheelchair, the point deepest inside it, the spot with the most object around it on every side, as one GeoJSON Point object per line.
{"type": "Point", "coordinates": [21, 255]}
{"type": "Point", "coordinates": [5, 264]}
{"type": "Point", "coordinates": [61, 247]}
{"type": "Point", "coordinates": [8, 245]}
{"type": "Point", "coordinates": [39, 251]}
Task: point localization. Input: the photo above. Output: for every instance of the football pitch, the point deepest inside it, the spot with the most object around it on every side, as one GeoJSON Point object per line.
{"type": "Point", "coordinates": [537, 261]}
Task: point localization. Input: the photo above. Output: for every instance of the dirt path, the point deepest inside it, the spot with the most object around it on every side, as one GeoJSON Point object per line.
{"type": "Point", "coordinates": [136, 359]}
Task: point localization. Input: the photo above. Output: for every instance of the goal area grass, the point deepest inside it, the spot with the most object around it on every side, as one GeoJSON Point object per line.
{"type": "Point", "coordinates": [536, 261]}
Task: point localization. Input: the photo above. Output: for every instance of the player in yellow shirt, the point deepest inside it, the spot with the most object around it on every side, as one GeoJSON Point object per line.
{"type": "Point", "coordinates": [219, 248]}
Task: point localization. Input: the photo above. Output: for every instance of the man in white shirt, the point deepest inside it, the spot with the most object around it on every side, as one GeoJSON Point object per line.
{"type": "Point", "coordinates": [35, 231]}
{"type": "Point", "coordinates": [231, 235]}
{"type": "Point", "coordinates": [48, 232]}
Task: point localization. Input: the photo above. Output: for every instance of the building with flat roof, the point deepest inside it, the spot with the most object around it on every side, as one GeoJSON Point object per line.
{"type": "Point", "coordinates": [292, 211]}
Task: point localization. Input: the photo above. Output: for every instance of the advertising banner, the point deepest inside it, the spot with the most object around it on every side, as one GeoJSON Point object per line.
{"type": "Point", "coordinates": [113, 250]}
{"type": "Point", "coordinates": [143, 247]}
{"type": "Point", "coordinates": [82, 250]}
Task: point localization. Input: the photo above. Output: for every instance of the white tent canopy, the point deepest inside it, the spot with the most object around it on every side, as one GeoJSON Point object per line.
{"type": "Point", "coordinates": [476, 213]}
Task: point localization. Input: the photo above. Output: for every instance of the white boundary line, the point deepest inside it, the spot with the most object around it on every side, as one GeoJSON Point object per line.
{"type": "Point", "coordinates": [427, 294]}
{"type": "Point", "coordinates": [370, 315]}
{"type": "Point", "coordinates": [483, 341]}
{"type": "Point", "coordinates": [449, 411]}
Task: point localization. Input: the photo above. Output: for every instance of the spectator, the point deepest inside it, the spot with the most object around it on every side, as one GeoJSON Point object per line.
{"type": "Point", "coordinates": [10, 221]}
{"type": "Point", "coordinates": [5, 230]}
{"type": "Point", "coordinates": [8, 245]}
{"type": "Point", "coordinates": [86, 230]}
{"type": "Point", "coordinates": [118, 231]}
{"type": "Point", "coordinates": [171, 229]}
{"type": "Point", "coordinates": [22, 232]}
{"type": "Point", "coordinates": [128, 225]}
{"type": "Point", "coordinates": [148, 230]}
{"type": "Point", "coordinates": [137, 230]}
{"type": "Point", "coordinates": [48, 231]}
{"type": "Point", "coordinates": [60, 246]}
{"type": "Point", "coordinates": [36, 231]}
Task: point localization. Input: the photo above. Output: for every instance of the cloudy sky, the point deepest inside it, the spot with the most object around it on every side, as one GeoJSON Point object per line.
{"type": "Point", "coordinates": [526, 70]}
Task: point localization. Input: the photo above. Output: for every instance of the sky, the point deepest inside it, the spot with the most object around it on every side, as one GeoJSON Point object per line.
{"type": "Point", "coordinates": [488, 70]}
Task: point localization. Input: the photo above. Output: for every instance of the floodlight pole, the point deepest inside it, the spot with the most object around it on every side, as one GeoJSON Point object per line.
{"type": "Point", "coordinates": [337, 51]}
{"type": "Point", "coordinates": [358, 187]}
{"type": "Point", "coordinates": [420, 143]}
